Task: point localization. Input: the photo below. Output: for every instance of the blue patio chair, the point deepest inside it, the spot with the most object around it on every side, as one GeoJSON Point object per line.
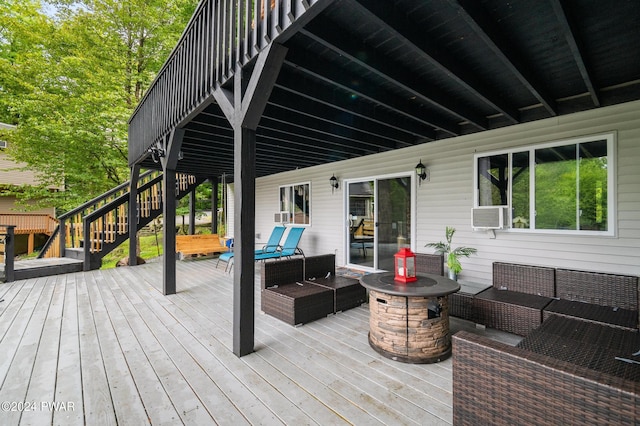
{"type": "Point", "coordinates": [272, 245]}
{"type": "Point", "coordinates": [289, 248]}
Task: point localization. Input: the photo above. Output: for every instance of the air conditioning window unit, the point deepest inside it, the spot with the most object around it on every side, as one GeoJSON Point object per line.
{"type": "Point", "coordinates": [3, 144]}
{"type": "Point", "coordinates": [493, 217]}
{"type": "Point", "coordinates": [281, 217]}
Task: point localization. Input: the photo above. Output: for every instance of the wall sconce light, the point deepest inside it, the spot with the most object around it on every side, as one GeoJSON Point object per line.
{"type": "Point", "coordinates": [421, 172]}
{"type": "Point", "coordinates": [334, 183]}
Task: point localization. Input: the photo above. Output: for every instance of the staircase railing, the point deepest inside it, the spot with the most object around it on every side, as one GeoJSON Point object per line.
{"type": "Point", "coordinates": [71, 222]}
{"type": "Point", "coordinates": [100, 225]}
{"type": "Point", "coordinates": [107, 227]}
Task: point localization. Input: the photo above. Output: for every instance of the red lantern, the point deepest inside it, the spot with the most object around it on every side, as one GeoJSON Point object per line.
{"type": "Point", "coordinates": [405, 265]}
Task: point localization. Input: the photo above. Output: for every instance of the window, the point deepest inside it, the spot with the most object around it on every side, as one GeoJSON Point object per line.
{"type": "Point", "coordinates": [296, 199]}
{"type": "Point", "coordinates": [564, 186]}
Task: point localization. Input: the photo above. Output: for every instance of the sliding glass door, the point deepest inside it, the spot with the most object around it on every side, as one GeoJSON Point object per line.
{"type": "Point", "coordinates": [379, 220]}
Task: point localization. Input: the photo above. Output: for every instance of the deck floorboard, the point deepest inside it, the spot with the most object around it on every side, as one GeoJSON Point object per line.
{"type": "Point", "coordinates": [108, 348]}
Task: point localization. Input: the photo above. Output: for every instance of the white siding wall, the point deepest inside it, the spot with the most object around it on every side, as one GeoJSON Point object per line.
{"type": "Point", "coordinates": [448, 197]}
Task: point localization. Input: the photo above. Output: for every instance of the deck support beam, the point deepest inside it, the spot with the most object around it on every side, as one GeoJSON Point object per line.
{"type": "Point", "coordinates": [169, 162]}
{"type": "Point", "coordinates": [214, 205]}
{"type": "Point", "coordinates": [192, 212]}
{"type": "Point", "coordinates": [243, 107]}
{"type": "Point", "coordinates": [133, 215]}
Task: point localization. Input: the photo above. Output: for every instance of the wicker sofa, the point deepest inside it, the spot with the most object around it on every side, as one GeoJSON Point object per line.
{"type": "Point", "coordinates": [608, 299]}
{"type": "Point", "coordinates": [494, 383]}
{"type": "Point", "coordinates": [301, 290]}
{"type": "Point", "coordinates": [522, 296]}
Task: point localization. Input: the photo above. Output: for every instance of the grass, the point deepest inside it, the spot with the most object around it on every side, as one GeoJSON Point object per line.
{"type": "Point", "coordinates": [148, 249]}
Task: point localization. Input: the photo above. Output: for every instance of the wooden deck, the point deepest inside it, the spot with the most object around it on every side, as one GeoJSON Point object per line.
{"type": "Point", "coordinates": [33, 268]}
{"type": "Point", "coordinates": [106, 347]}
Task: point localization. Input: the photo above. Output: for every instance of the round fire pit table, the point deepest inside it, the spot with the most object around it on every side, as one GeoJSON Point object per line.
{"type": "Point", "coordinates": [410, 322]}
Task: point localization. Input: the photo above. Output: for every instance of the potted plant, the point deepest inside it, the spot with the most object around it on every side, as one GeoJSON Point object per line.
{"type": "Point", "coordinates": [452, 255]}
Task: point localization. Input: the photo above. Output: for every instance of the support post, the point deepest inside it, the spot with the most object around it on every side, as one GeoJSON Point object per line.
{"type": "Point", "coordinates": [9, 254]}
{"type": "Point", "coordinates": [192, 212]}
{"type": "Point", "coordinates": [214, 205]}
{"type": "Point", "coordinates": [169, 162]}
{"type": "Point", "coordinates": [133, 215]}
{"type": "Point", "coordinates": [30, 242]}
{"type": "Point", "coordinates": [169, 231]}
{"type": "Point", "coordinates": [244, 243]}
{"type": "Point", "coordinates": [62, 231]}
{"type": "Point", "coordinates": [243, 108]}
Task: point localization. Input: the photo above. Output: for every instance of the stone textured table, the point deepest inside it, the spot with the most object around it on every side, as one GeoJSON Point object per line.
{"type": "Point", "coordinates": [410, 322]}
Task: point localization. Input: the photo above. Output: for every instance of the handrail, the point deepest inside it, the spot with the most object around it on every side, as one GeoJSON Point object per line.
{"type": "Point", "coordinates": [105, 222]}
{"type": "Point", "coordinates": [106, 195]}
{"type": "Point", "coordinates": [110, 223]}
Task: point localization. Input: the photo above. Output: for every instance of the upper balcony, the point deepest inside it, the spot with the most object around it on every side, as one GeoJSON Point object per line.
{"type": "Point", "coordinates": [221, 35]}
{"type": "Point", "coordinates": [368, 76]}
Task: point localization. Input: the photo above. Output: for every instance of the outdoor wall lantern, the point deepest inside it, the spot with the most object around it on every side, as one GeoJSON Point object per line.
{"type": "Point", "coordinates": [405, 266]}
{"type": "Point", "coordinates": [334, 183]}
{"type": "Point", "coordinates": [157, 152]}
{"type": "Point", "coordinates": [421, 171]}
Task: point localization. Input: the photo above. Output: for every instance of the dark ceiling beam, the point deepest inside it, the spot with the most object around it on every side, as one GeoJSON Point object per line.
{"type": "Point", "coordinates": [275, 151]}
{"type": "Point", "coordinates": [567, 29]}
{"type": "Point", "coordinates": [336, 118]}
{"type": "Point", "coordinates": [279, 133]}
{"type": "Point", "coordinates": [384, 68]}
{"type": "Point", "coordinates": [272, 159]}
{"type": "Point", "coordinates": [486, 29]}
{"type": "Point", "coordinates": [287, 126]}
{"type": "Point", "coordinates": [340, 100]}
{"type": "Point", "coordinates": [386, 15]}
{"type": "Point", "coordinates": [315, 67]}
{"type": "Point", "coordinates": [290, 117]}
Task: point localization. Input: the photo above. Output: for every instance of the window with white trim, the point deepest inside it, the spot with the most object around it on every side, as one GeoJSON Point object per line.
{"type": "Point", "coordinates": [296, 201]}
{"type": "Point", "coordinates": [558, 187]}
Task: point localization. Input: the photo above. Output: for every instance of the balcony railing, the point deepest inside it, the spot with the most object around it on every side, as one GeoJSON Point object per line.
{"type": "Point", "coordinates": [221, 34]}
{"type": "Point", "coordinates": [30, 223]}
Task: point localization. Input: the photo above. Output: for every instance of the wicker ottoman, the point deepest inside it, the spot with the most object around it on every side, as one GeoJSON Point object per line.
{"type": "Point", "coordinates": [347, 292]}
{"type": "Point", "coordinates": [461, 304]}
{"type": "Point", "coordinates": [511, 311]}
{"type": "Point", "coordinates": [297, 303]}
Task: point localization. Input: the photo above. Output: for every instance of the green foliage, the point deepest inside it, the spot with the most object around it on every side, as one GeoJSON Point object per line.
{"type": "Point", "coordinates": [452, 255]}
{"type": "Point", "coordinates": [70, 83]}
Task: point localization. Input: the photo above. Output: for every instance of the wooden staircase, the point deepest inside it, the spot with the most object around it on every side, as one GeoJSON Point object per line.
{"type": "Point", "coordinates": [93, 230]}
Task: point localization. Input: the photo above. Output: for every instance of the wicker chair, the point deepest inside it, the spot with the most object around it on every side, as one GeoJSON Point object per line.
{"type": "Point", "coordinates": [430, 263]}
{"type": "Point", "coordinates": [287, 297]}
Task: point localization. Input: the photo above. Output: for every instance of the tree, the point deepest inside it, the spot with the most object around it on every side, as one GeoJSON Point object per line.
{"type": "Point", "coordinates": [70, 82]}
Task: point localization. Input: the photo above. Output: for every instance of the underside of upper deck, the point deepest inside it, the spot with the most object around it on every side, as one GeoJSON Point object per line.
{"type": "Point", "coordinates": [364, 76]}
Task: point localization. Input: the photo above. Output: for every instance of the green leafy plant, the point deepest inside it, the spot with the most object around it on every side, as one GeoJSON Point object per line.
{"type": "Point", "coordinates": [452, 255]}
